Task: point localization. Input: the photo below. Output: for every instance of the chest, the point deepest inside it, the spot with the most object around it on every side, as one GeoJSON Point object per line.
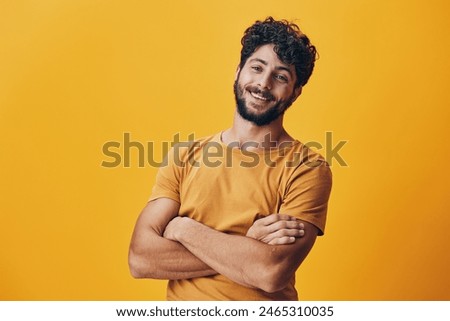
{"type": "Point", "coordinates": [231, 198]}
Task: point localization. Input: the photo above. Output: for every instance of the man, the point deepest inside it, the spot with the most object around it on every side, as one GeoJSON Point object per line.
{"type": "Point", "coordinates": [232, 216]}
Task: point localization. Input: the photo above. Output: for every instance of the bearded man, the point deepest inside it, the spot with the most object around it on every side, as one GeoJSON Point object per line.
{"type": "Point", "coordinates": [233, 215]}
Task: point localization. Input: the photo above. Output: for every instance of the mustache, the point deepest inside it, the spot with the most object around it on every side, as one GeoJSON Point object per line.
{"type": "Point", "coordinates": [264, 93]}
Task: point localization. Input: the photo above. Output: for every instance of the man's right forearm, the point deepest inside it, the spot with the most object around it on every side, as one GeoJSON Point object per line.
{"type": "Point", "coordinates": [153, 256]}
{"type": "Point", "coordinates": [165, 259]}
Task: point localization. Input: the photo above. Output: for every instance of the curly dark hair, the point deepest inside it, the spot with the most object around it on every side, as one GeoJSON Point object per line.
{"type": "Point", "coordinates": [291, 45]}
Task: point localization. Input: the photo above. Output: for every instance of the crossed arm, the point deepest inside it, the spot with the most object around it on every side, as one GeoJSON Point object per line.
{"type": "Point", "coordinates": [165, 246]}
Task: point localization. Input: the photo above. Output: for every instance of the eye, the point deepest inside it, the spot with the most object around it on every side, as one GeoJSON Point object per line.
{"type": "Point", "coordinates": [256, 68]}
{"type": "Point", "coordinates": [281, 78]}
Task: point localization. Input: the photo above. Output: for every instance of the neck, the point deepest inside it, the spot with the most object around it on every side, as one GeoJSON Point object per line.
{"type": "Point", "coordinates": [261, 137]}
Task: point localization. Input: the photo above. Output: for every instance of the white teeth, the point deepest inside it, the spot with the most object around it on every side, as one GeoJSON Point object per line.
{"type": "Point", "coordinates": [258, 96]}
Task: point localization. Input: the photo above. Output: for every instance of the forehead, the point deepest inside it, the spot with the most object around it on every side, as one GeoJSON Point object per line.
{"type": "Point", "coordinates": [267, 54]}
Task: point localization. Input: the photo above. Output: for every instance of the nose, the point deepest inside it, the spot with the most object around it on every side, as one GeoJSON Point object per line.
{"type": "Point", "coordinates": [265, 81]}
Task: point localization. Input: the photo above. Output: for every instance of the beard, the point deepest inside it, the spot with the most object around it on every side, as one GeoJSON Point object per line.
{"type": "Point", "coordinates": [265, 117]}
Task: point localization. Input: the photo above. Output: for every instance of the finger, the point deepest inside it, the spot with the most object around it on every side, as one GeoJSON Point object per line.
{"type": "Point", "coordinates": [274, 218]}
{"type": "Point", "coordinates": [269, 239]}
{"type": "Point", "coordinates": [279, 225]}
{"type": "Point", "coordinates": [282, 240]}
{"type": "Point", "coordinates": [287, 232]}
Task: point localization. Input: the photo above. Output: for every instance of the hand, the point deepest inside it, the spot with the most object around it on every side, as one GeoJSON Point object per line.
{"type": "Point", "coordinates": [276, 229]}
{"type": "Point", "coordinates": [172, 228]}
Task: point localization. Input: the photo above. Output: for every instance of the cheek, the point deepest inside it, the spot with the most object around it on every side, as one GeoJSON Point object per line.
{"type": "Point", "coordinates": [286, 93]}
{"type": "Point", "coordinates": [243, 80]}
{"type": "Point", "coordinates": [282, 94]}
{"type": "Point", "coordinates": [245, 77]}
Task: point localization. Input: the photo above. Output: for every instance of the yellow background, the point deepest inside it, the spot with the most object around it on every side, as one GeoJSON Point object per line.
{"type": "Point", "coordinates": [77, 74]}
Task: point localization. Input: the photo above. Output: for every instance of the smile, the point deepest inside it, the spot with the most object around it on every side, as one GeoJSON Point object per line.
{"type": "Point", "coordinates": [257, 96]}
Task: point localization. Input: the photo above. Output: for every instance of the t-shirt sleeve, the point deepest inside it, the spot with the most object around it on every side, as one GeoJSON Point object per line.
{"type": "Point", "coordinates": [307, 193]}
{"type": "Point", "coordinates": [168, 177]}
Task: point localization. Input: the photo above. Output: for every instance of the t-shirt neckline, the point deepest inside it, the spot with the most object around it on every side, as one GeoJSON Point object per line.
{"type": "Point", "coordinates": [218, 138]}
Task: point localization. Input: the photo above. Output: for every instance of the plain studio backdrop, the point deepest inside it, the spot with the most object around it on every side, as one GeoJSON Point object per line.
{"type": "Point", "coordinates": [75, 75]}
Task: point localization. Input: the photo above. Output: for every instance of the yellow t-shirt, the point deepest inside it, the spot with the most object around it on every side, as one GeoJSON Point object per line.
{"type": "Point", "coordinates": [229, 188]}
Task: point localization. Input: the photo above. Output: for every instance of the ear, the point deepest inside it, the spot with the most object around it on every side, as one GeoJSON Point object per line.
{"type": "Point", "coordinates": [297, 92]}
{"type": "Point", "coordinates": [238, 69]}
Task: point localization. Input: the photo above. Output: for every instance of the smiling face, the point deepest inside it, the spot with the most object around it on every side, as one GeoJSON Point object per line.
{"type": "Point", "coordinates": [264, 87]}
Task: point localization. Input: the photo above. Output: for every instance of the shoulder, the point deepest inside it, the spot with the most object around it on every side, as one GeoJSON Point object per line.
{"type": "Point", "coordinates": [302, 157]}
{"type": "Point", "coordinates": [306, 164]}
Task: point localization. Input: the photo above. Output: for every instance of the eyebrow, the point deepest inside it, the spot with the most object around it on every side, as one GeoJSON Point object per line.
{"type": "Point", "coordinates": [277, 67]}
